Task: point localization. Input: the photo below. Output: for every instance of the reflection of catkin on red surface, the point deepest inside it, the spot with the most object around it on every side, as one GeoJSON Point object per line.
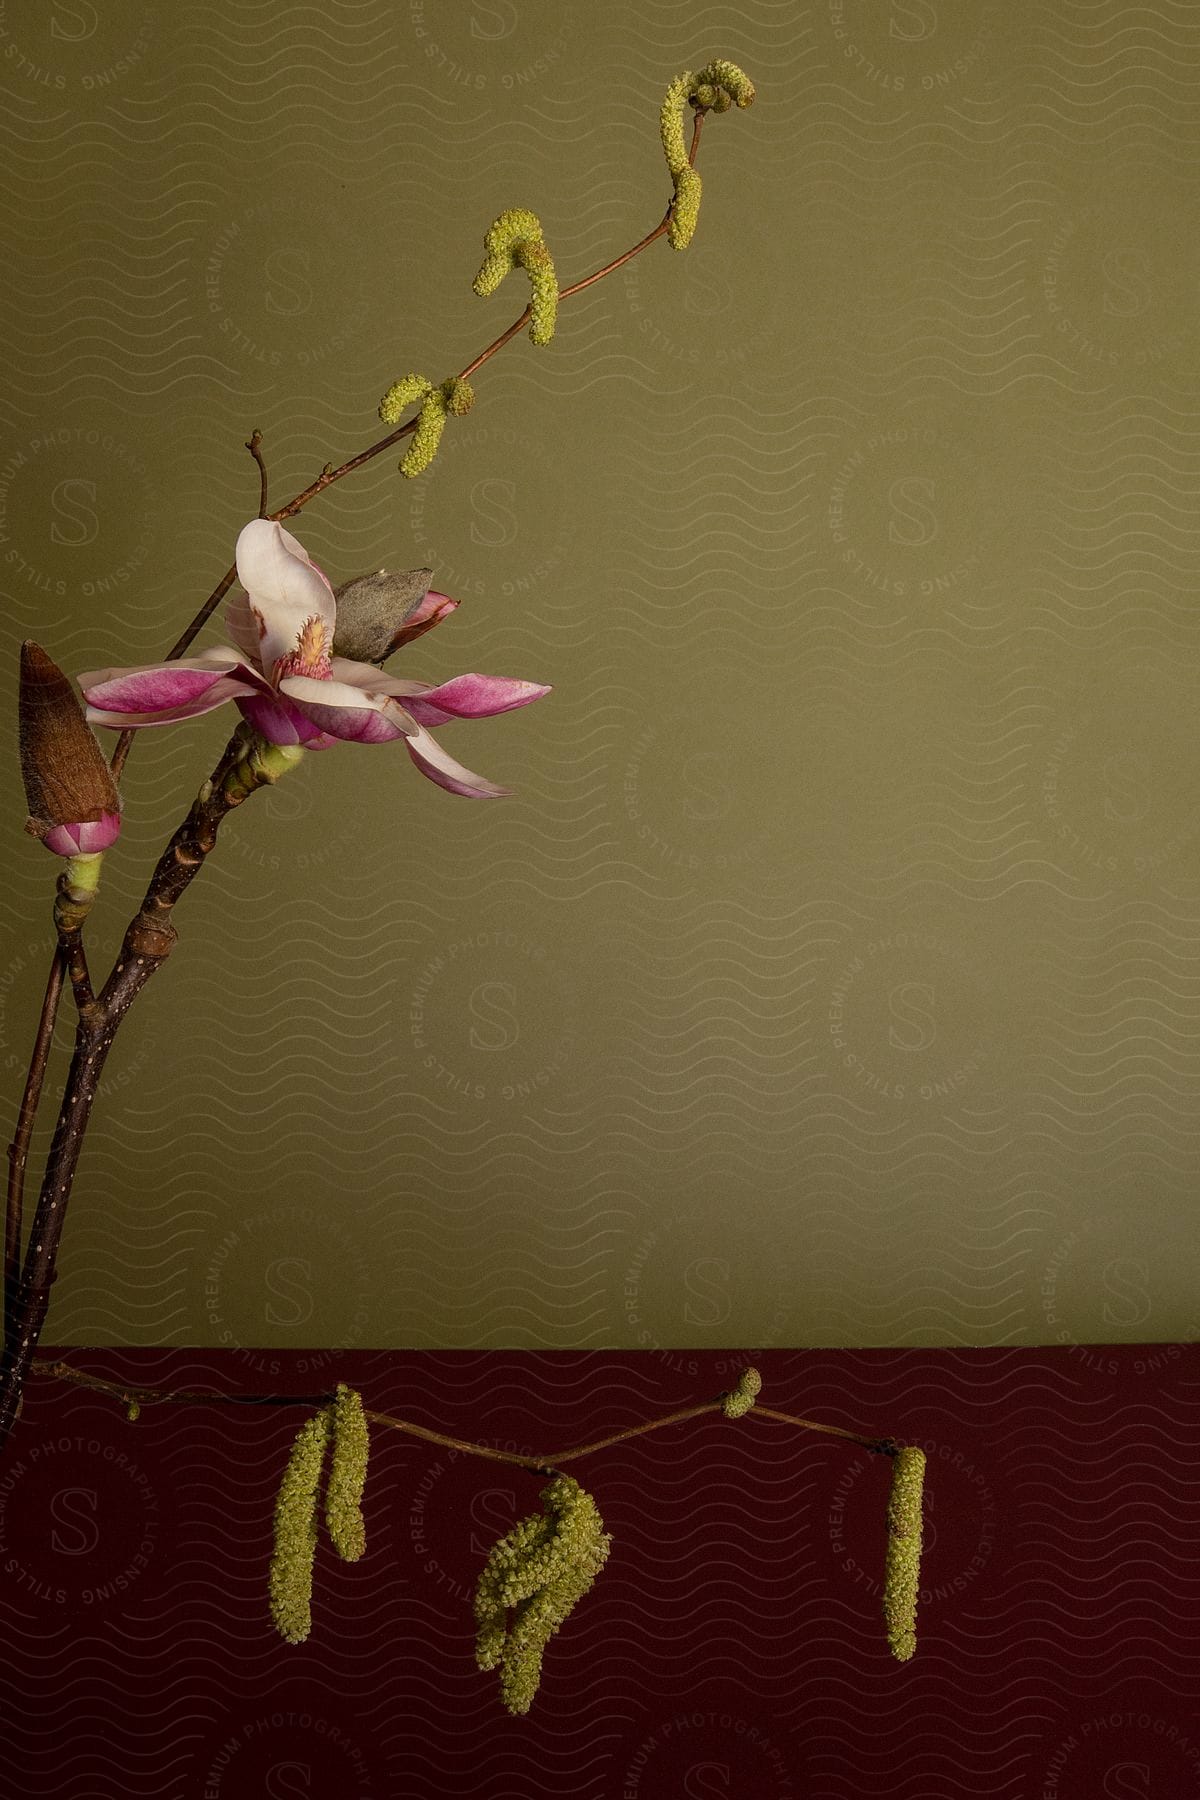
{"type": "Point", "coordinates": [541, 1568]}
{"type": "Point", "coordinates": [291, 1576]}
{"type": "Point", "coordinates": [347, 1476]}
{"type": "Point", "coordinates": [902, 1575]}
{"type": "Point", "coordinates": [736, 1404]}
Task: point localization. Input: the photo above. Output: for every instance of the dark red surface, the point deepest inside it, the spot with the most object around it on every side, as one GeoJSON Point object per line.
{"type": "Point", "coordinates": [731, 1650]}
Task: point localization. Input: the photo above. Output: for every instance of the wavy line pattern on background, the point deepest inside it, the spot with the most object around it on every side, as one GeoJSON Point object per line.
{"type": "Point", "coordinates": [831, 976]}
{"type": "Point", "coordinates": [735, 1636]}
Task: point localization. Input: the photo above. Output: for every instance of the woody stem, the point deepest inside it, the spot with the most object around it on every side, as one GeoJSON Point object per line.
{"type": "Point", "coordinates": [245, 765]}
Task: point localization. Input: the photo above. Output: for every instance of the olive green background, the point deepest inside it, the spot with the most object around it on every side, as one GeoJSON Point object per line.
{"type": "Point", "coordinates": [833, 977]}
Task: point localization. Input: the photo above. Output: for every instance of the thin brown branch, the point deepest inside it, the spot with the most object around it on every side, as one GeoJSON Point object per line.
{"type": "Point", "coordinates": [18, 1150]}
{"type": "Point", "coordinates": [144, 1396]}
{"type": "Point", "coordinates": [539, 1461]}
{"type": "Point", "coordinates": [254, 446]}
{"type": "Point", "coordinates": [71, 943]}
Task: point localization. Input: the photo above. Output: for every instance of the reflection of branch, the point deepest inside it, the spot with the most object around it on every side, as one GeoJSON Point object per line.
{"type": "Point", "coordinates": [139, 1396]}
{"type": "Point", "coordinates": [882, 1446]}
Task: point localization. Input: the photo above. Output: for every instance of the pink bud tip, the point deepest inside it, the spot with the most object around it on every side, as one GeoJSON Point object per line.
{"type": "Point", "coordinates": [85, 839]}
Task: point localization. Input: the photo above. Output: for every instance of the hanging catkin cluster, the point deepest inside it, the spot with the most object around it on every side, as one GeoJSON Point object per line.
{"type": "Point", "coordinates": [516, 239]}
{"type": "Point", "coordinates": [739, 1402]}
{"type": "Point", "coordinates": [902, 1572]}
{"type": "Point", "coordinates": [540, 1569]}
{"type": "Point", "coordinates": [454, 395]}
{"type": "Point", "coordinates": [715, 88]}
{"type": "Point", "coordinates": [291, 1576]}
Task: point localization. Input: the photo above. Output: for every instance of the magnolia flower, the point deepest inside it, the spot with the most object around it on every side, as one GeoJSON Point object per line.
{"type": "Point", "coordinates": [284, 678]}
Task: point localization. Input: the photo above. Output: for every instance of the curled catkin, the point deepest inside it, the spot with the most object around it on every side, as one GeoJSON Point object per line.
{"type": "Point", "coordinates": [731, 84]}
{"type": "Point", "coordinates": [516, 238]}
{"type": "Point", "coordinates": [902, 1573]}
{"type": "Point", "coordinates": [347, 1476]}
{"type": "Point", "coordinates": [717, 87]}
{"type": "Point", "coordinates": [291, 1576]}
{"type": "Point", "coordinates": [400, 396]}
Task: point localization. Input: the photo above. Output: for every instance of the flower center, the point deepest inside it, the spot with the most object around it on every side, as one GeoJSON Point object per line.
{"type": "Point", "coordinates": [311, 655]}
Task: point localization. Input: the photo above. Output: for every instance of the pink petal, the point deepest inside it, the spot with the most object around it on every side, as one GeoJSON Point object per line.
{"type": "Point", "coordinates": [346, 711]}
{"type": "Point", "coordinates": [432, 610]}
{"type": "Point", "coordinates": [282, 723]}
{"type": "Point", "coordinates": [165, 692]}
{"type": "Point", "coordinates": [284, 586]}
{"type": "Point", "coordinates": [84, 839]}
{"type": "Point", "coordinates": [465, 697]}
{"type": "Point", "coordinates": [434, 762]}
{"type": "Point", "coordinates": [473, 697]}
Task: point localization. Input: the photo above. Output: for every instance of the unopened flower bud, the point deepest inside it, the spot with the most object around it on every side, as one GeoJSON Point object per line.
{"type": "Point", "coordinates": [73, 803]}
{"type": "Point", "coordinates": [374, 610]}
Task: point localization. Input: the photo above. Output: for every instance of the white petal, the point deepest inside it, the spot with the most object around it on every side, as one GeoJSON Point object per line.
{"type": "Point", "coordinates": [346, 712]}
{"type": "Point", "coordinates": [284, 587]}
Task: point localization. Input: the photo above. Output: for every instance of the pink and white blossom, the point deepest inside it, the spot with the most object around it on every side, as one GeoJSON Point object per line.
{"type": "Point", "coordinates": [282, 675]}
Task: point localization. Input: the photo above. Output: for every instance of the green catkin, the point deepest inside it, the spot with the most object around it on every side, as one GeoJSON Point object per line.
{"type": "Point", "coordinates": [516, 239]}
{"type": "Point", "coordinates": [291, 1575]}
{"type": "Point", "coordinates": [347, 1476]}
{"type": "Point", "coordinates": [733, 83]}
{"type": "Point", "coordinates": [454, 395]}
{"type": "Point", "coordinates": [537, 1619]}
{"type": "Point", "coordinates": [540, 1569]}
{"type": "Point", "coordinates": [717, 87]}
{"type": "Point", "coordinates": [400, 396]}
{"type": "Point", "coordinates": [459, 396]}
{"type": "Point", "coordinates": [685, 213]}
{"type": "Point", "coordinates": [902, 1573]}
{"type": "Point", "coordinates": [736, 1404]}
{"type": "Point", "coordinates": [431, 422]}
